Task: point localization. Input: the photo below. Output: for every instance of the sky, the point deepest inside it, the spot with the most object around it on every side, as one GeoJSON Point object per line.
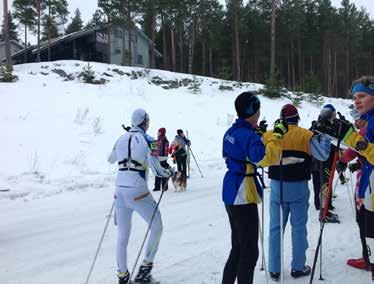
{"type": "Point", "coordinates": [89, 6]}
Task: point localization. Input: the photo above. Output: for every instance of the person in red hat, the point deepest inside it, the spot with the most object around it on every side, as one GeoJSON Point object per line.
{"type": "Point", "coordinates": [289, 189]}
{"type": "Point", "coordinates": [163, 150]}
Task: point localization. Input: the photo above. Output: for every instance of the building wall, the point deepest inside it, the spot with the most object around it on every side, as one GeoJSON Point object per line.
{"type": "Point", "coordinates": [119, 48]}
{"type": "Point", "coordinates": [13, 49]}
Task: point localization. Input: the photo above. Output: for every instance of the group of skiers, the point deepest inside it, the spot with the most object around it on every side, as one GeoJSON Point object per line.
{"type": "Point", "coordinates": [293, 154]}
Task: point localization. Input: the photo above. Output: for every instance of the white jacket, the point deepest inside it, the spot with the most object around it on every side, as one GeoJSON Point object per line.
{"type": "Point", "coordinates": [141, 152]}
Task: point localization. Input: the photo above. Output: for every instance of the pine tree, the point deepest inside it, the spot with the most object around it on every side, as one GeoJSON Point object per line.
{"type": "Point", "coordinates": [88, 75]}
{"type": "Point", "coordinates": [56, 14]}
{"type": "Point", "coordinates": [97, 20]}
{"type": "Point", "coordinates": [76, 23]}
{"type": "Point", "coordinates": [13, 34]}
{"type": "Point", "coordinates": [6, 75]}
{"type": "Point", "coordinates": [49, 28]}
{"type": "Point", "coordinates": [25, 13]}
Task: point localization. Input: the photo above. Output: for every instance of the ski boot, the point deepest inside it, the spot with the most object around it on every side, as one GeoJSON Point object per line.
{"type": "Point", "coordinates": [358, 263]}
{"type": "Point", "coordinates": [275, 276]}
{"type": "Point", "coordinates": [144, 274]}
{"type": "Point", "coordinates": [124, 277]}
{"type": "Point", "coordinates": [300, 273]}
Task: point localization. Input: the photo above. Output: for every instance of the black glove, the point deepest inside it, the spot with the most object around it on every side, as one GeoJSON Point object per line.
{"type": "Point", "coordinates": [262, 127]}
{"type": "Point", "coordinates": [341, 166]}
{"type": "Point", "coordinates": [280, 128]}
{"type": "Point", "coordinates": [354, 167]}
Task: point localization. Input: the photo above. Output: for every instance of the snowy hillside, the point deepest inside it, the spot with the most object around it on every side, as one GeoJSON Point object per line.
{"type": "Point", "coordinates": [56, 186]}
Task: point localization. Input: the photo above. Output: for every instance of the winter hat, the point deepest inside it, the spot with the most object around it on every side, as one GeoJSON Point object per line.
{"type": "Point", "coordinates": [290, 114]}
{"type": "Point", "coordinates": [139, 116]}
{"type": "Point", "coordinates": [162, 131]}
{"type": "Point", "coordinates": [330, 107]}
{"type": "Point", "coordinates": [179, 131]}
{"type": "Point", "coordinates": [326, 114]}
{"type": "Point", "coordinates": [247, 104]}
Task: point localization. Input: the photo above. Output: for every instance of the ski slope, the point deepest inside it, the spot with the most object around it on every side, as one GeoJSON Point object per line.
{"type": "Point", "coordinates": [55, 138]}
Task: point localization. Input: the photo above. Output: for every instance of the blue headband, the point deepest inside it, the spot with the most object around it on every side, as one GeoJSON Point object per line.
{"type": "Point", "coordinates": [361, 88]}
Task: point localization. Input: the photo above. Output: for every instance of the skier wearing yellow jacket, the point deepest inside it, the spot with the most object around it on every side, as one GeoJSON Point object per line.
{"type": "Point", "coordinates": [299, 145]}
{"type": "Point", "coordinates": [243, 151]}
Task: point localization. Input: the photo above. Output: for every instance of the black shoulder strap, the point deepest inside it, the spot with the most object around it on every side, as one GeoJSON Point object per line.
{"type": "Point", "coordinates": [129, 148]}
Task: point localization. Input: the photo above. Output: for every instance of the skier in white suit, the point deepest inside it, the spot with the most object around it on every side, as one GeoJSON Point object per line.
{"type": "Point", "coordinates": [135, 152]}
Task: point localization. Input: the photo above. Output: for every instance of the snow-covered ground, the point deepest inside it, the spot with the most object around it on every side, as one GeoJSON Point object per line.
{"type": "Point", "coordinates": [56, 187]}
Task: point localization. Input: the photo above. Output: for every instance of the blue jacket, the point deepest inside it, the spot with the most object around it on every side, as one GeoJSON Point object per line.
{"type": "Point", "coordinates": [367, 178]}
{"type": "Point", "coordinates": [242, 148]}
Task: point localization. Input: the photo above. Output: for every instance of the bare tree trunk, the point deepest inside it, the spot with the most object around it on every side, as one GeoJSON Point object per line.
{"type": "Point", "coordinates": [129, 26]}
{"type": "Point", "coordinates": [233, 61]}
{"type": "Point", "coordinates": [334, 82]}
{"type": "Point", "coordinates": [25, 58]}
{"type": "Point", "coordinates": [329, 77]}
{"type": "Point", "coordinates": [203, 63]}
{"type": "Point", "coordinates": [173, 56]}
{"type": "Point", "coordinates": [210, 62]}
{"type": "Point", "coordinates": [272, 45]}
{"type": "Point", "coordinates": [347, 79]}
{"type": "Point", "coordinates": [293, 67]}
{"type": "Point", "coordinates": [181, 46]}
{"type": "Point", "coordinates": [300, 67]}
{"type": "Point", "coordinates": [152, 65]}
{"type": "Point", "coordinates": [237, 54]}
{"type": "Point", "coordinates": [124, 55]}
{"type": "Point", "coordinates": [255, 68]}
{"type": "Point", "coordinates": [164, 42]}
{"type": "Point", "coordinates": [311, 64]}
{"type": "Point", "coordinates": [8, 54]}
{"type": "Point", "coordinates": [324, 61]}
{"type": "Point", "coordinates": [39, 16]}
{"type": "Point", "coordinates": [49, 31]}
{"type": "Point", "coordinates": [109, 39]}
{"type": "Point", "coordinates": [288, 66]}
{"type": "Point", "coordinates": [192, 43]}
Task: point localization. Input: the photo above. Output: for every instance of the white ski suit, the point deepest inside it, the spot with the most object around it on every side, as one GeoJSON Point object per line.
{"type": "Point", "coordinates": [135, 152]}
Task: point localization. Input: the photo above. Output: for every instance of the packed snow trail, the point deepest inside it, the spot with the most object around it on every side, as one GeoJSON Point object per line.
{"type": "Point", "coordinates": [54, 238]}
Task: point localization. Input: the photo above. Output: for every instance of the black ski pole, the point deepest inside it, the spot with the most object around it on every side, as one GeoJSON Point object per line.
{"type": "Point", "coordinates": [99, 246]}
{"type": "Point", "coordinates": [322, 183]}
{"type": "Point", "coordinates": [196, 162]}
{"type": "Point", "coordinates": [281, 217]}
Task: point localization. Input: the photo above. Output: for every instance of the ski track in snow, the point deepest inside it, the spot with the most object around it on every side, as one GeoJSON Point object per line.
{"type": "Point", "coordinates": [61, 188]}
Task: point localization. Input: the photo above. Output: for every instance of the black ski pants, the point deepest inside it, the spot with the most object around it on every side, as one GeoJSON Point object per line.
{"type": "Point", "coordinates": [244, 244]}
{"type": "Point", "coordinates": [159, 180]}
{"type": "Point", "coordinates": [182, 164]}
{"type": "Point", "coordinates": [316, 177]}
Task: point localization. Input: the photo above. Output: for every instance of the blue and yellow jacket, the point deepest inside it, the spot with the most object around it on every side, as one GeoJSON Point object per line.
{"type": "Point", "coordinates": [243, 151]}
{"type": "Point", "coordinates": [298, 147]}
{"type": "Point", "coordinates": [367, 179]}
